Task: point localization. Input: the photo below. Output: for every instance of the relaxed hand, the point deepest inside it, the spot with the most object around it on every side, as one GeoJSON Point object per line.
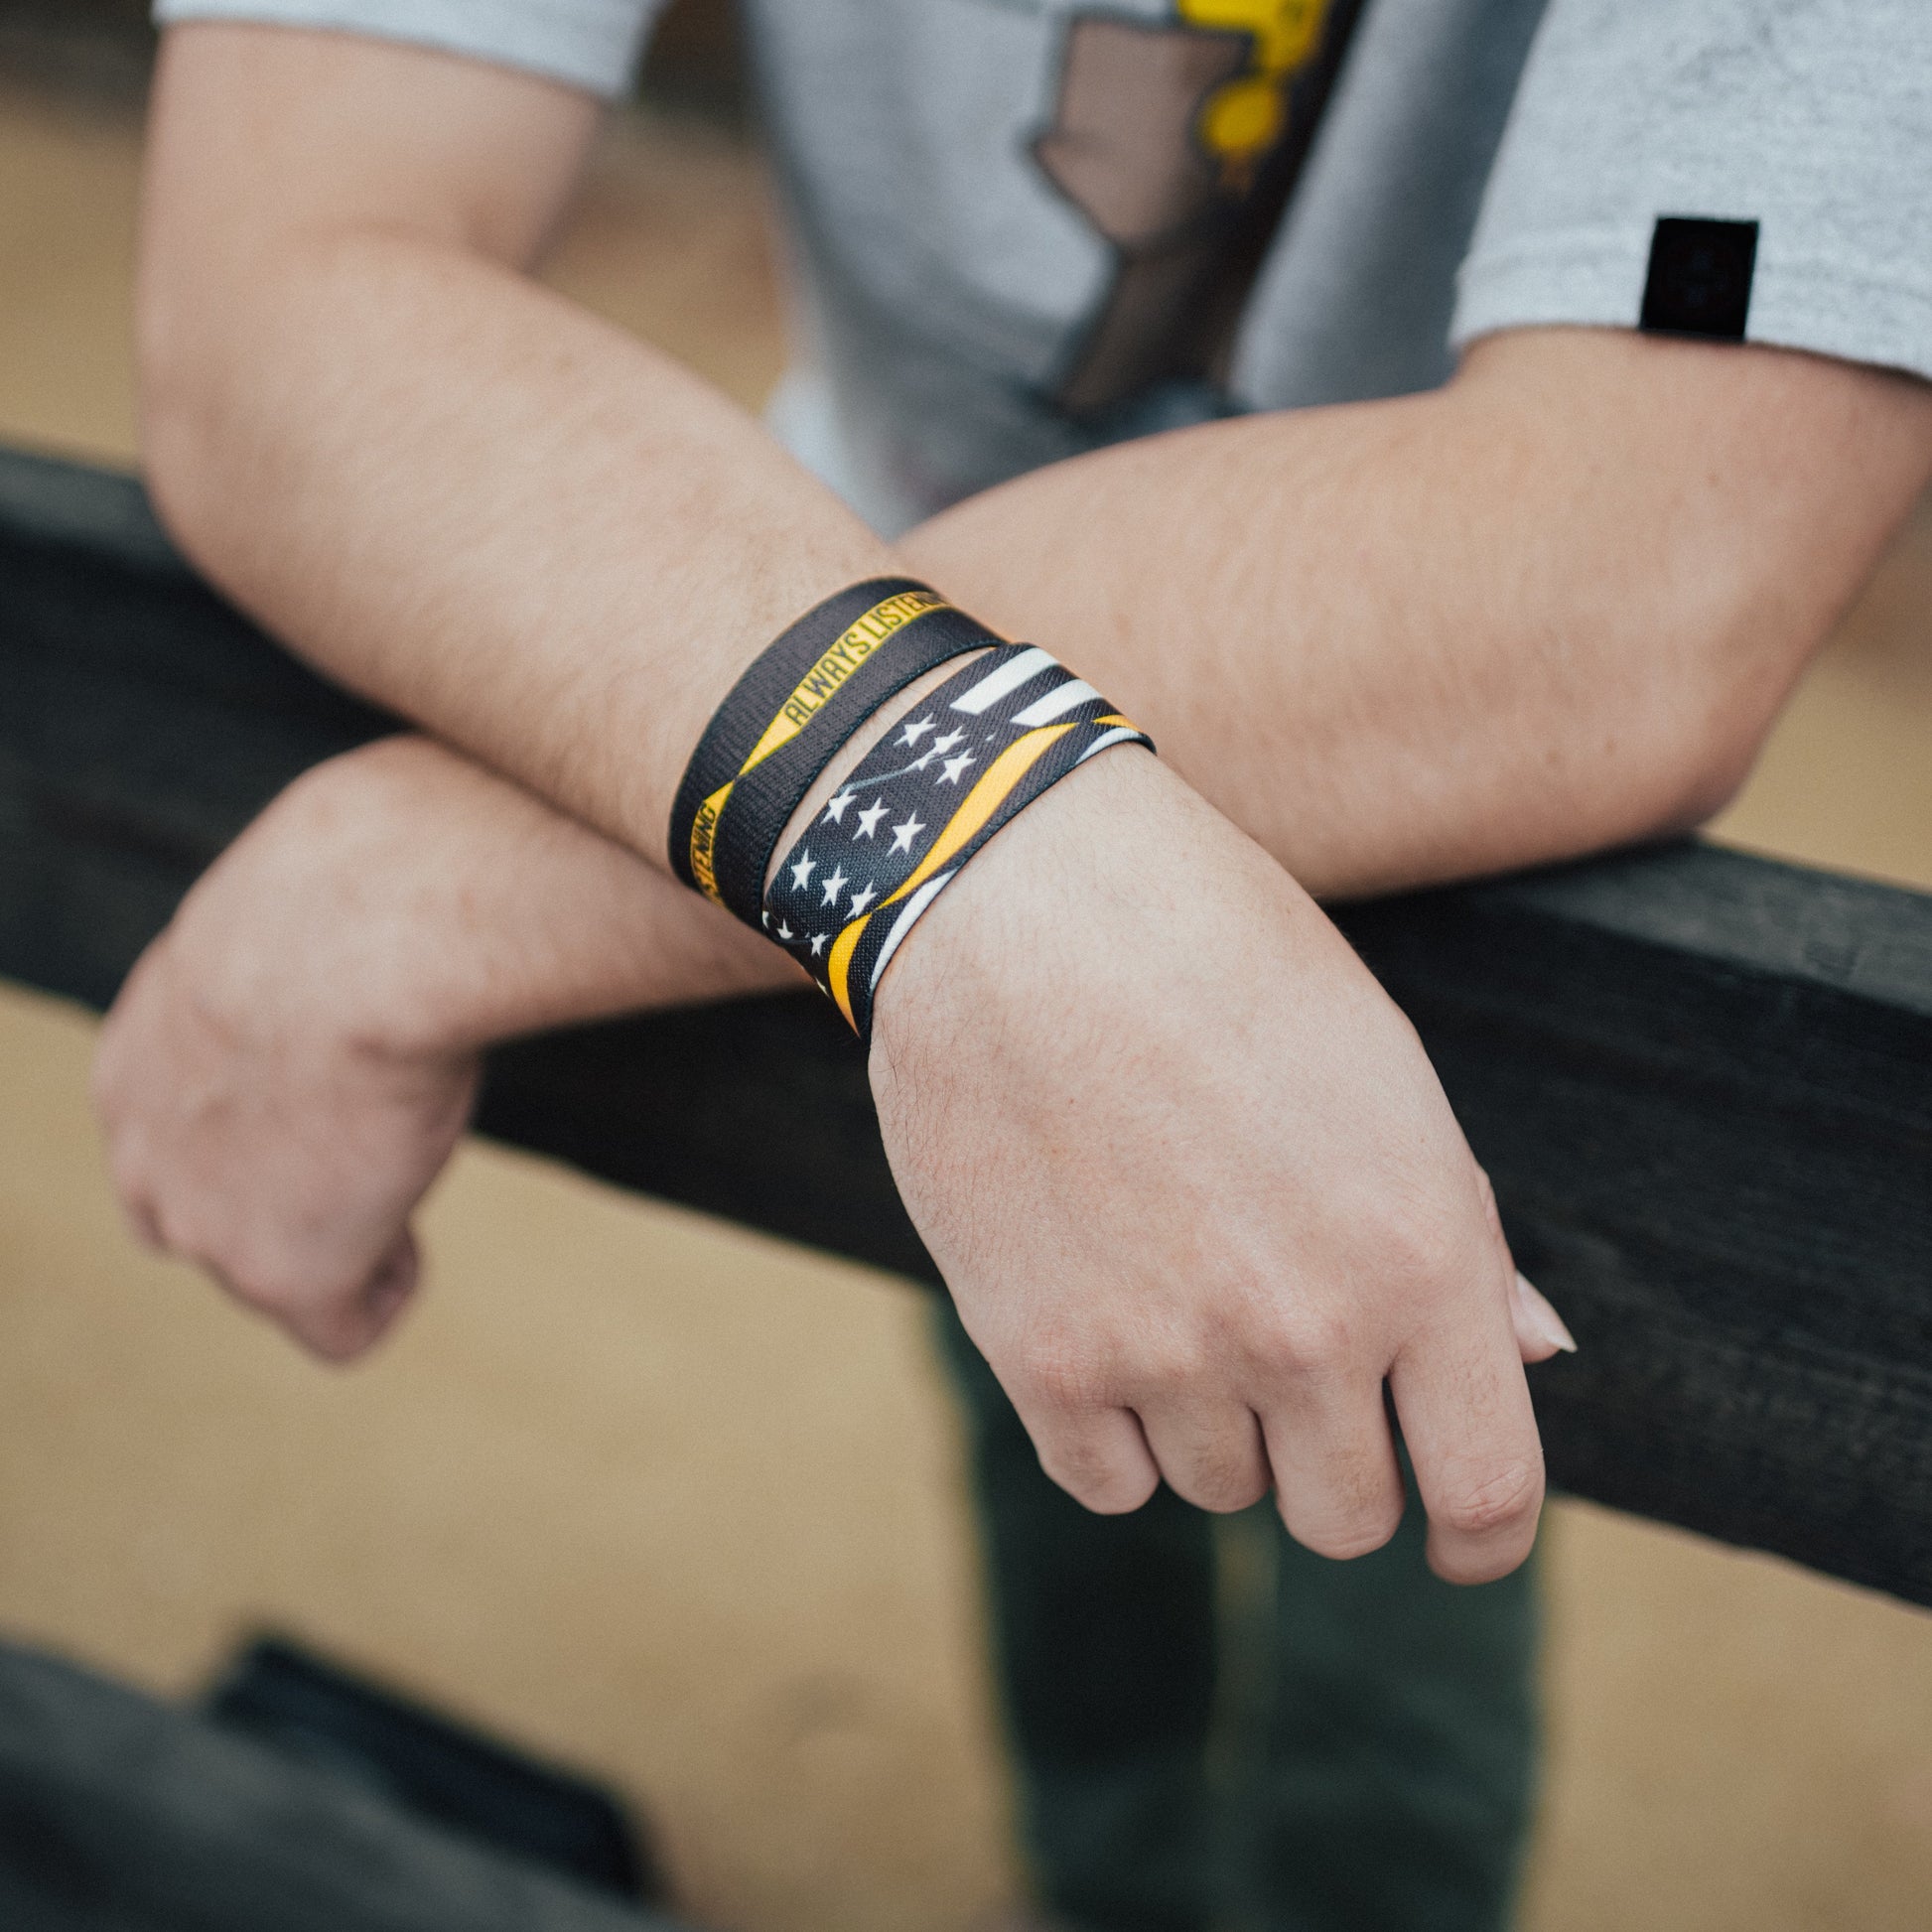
{"type": "Point", "coordinates": [291, 1061]}
{"type": "Point", "coordinates": [1194, 1186]}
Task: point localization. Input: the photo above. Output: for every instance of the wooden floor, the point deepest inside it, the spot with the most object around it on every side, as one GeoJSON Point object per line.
{"type": "Point", "coordinates": [682, 1504]}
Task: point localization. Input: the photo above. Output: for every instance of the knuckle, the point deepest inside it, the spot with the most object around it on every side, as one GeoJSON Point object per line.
{"type": "Point", "coordinates": [269, 1282]}
{"type": "Point", "coordinates": [178, 1228]}
{"type": "Point", "coordinates": [1059, 1374]}
{"type": "Point", "coordinates": [1492, 1220]}
{"type": "Point", "coordinates": [1354, 1507]}
{"type": "Point", "coordinates": [103, 1091]}
{"type": "Point", "coordinates": [1418, 1250]}
{"type": "Point", "coordinates": [1363, 1541]}
{"type": "Point", "coordinates": [1500, 1500]}
{"type": "Point", "coordinates": [333, 1340]}
{"type": "Point", "coordinates": [255, 1290]}
{"type": "Point", "coordinates": [1411, 1222]}
{"type": "Point", "coordinates": [125, 1155]}
{"type": "Point", "coordinates": [1306, 1339]}
{"type": "Point", "coordinates": [128, 1176]}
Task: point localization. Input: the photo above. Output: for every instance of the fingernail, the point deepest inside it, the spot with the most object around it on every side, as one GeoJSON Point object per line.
{"type": "Point", "coordinates": [1543, 1317]}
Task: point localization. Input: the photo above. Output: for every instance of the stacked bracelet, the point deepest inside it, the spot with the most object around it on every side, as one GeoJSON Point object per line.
{"type": "Point", "coordinates": [917, 808]}
{"type": "Point", "coordinates": [920, 805]}
{"type": "Point", "coordinates": [786, 718]}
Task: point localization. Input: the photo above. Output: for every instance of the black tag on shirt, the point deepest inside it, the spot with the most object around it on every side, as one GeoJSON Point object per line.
{"type": "Point", "coordinates": [1700, 281]}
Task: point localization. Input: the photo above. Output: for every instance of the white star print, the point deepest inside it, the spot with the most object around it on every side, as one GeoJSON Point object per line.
{"type": "Point", "coordinates": [784, 931]}
{"type": "Point", "coordinates": [860, 900]}
{"type": "Point", "coordinates": [869, 819]}
{"type": "Point", "coordinates": [835, 811]}
{"type": "Point", "coordinates": [945, 745]}
{"type": "Point", "coordinates": [913, 733]}
{"type": "Point", "coordinates": [954, 766]}
{"type": "Point", "coordinates": [925, 758]}
{"type": "Point", "coordinates": [803, 870]}
{"type": "Point", "coordinates": [818, 945]}
{"type": "Point", "coordinates": [834, 886]}
{"type": "Point", "coordinates": [903, 835]}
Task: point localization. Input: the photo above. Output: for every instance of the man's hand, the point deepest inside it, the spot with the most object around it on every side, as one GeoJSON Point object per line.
{"type": "Point", "coordinates": [1196, 1190]}
{"type": "Point", "coordinates": [289, 1068]}
{"type": "Point", "coordinates": [291, 1063]}
{"type": "Point", "coordinates": [269, 1140]}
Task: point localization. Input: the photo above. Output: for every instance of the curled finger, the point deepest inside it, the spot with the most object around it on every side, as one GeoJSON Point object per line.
{"type": "Point", "coordinates": [1211, 1455]}
{"type": "Point", "coordinates": [1099, 1457]}
{"type": "Point", "coordinates": [1336, 1481]}
{"type": "Point", "coordinates": [1473, 1440]}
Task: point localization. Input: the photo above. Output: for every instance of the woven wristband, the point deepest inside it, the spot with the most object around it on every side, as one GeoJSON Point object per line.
{"type": "Point", "coordinates": [786, 719]}
{"type": "Point", "coordinates": [921, 804]}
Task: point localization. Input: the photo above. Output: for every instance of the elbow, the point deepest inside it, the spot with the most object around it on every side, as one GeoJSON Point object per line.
{"type": "Point", "coordinates": [1702, 783]}
{"type": "Point", "coordinates": [1711, 755]}
{"type": "Point", "coordinates": [175, 373]}
{"type": "Point", "coordinates": [1719, 691]}
{"type": "Point", "coordinates": [214, 318]}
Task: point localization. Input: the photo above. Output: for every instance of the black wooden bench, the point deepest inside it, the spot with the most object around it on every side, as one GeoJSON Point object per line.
{"type": "Point", "coordinates": [1701, 1081]}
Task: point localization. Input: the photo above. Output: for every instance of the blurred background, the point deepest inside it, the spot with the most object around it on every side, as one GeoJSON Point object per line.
{"type": "Point", "coordinates": [681, 1505]}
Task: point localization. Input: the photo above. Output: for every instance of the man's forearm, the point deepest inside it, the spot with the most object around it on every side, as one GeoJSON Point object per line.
{"type": "Point", "coordinates": [1551, 608]}
{"type": "Point", "coordinates": [458, 910]}
{"type": "Point", "coordinates": [1406, 678]}
{"type": "Point", "coordinates": [1402, 642]}
{"type": "Point", "coordinates": [453, 490]}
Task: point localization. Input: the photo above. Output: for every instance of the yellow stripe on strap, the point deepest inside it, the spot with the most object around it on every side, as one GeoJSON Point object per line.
{"type": "Point", "coordinates": [841, 658]}
{"type": "Point", "coordinates": [853, 645]}
{"type": "Point", "coordinates": [979, 804]}
{"type": "Point", "coordinates": [704, 841]}
{"type": "Point", "coordinates": [995, 785]}
{"type": "Point", "coordinates": [838, 966]}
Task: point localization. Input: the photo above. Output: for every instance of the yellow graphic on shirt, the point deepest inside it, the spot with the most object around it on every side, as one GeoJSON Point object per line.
{"type": "Point", "coordinates": [1244, 117]}
{"type": "Point", "coordinates": [1162, 132]}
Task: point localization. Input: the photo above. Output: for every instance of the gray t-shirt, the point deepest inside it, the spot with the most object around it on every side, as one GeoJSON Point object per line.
{"type": "Point", "coordinates": [1025, 227]}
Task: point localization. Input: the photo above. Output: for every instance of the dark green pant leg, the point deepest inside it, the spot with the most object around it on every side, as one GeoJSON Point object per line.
{"type": "Point", "coordinates": [1103, 1637]}
{"type": "Point", "coordinates": [1401, 1747]}
{"type": "Point", "coordinates": [1369, 1750]}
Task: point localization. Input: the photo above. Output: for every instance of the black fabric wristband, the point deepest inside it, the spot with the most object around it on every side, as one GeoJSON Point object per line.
{"type": "Point", "coordinates": [786, 718]}
{"type": "Point", "coordinates": [922, 803]}
{"type": "Point", "coordinates": [765, 798]}
{"type": "Point", "coordinates": [743, 719]}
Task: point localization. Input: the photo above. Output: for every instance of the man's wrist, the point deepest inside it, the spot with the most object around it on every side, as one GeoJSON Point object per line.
{"type": "Point", "coordinates": [997, 934]}
{"type": "Point", "coordinates": [923, 804]}
{"type": "Point", "coordinates": [851, 753]}
{"type": "Point", "coordinates": [822, 724]}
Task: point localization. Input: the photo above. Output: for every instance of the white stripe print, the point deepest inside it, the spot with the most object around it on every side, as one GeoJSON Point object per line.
{"type": "Point", "coordinates": [1009, 677]}
{"type": "Point", "coordinates": [1042, 711]}
{"type": "Point", "coordinates": [1105, 739]}
{"type": "Point", "coordinates": [908, 913]}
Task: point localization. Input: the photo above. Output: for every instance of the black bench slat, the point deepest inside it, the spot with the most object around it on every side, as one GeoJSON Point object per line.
{"type": "Point", "coordinates": [1701, 1081]}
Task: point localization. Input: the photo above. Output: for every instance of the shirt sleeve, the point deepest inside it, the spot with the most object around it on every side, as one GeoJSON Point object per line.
{"type": "Point", "coordinates": [595, 45]}
{"type": "Point", "coordinates": [1812, 120]}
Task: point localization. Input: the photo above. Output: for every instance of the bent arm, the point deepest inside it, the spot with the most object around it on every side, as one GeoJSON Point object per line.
{"type": "Point", "coordinates": [467, 498]}
{"type": "Point", "coordinates": [1553, 607]}
{"type": "Point", "coordinates": [450, 488]}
